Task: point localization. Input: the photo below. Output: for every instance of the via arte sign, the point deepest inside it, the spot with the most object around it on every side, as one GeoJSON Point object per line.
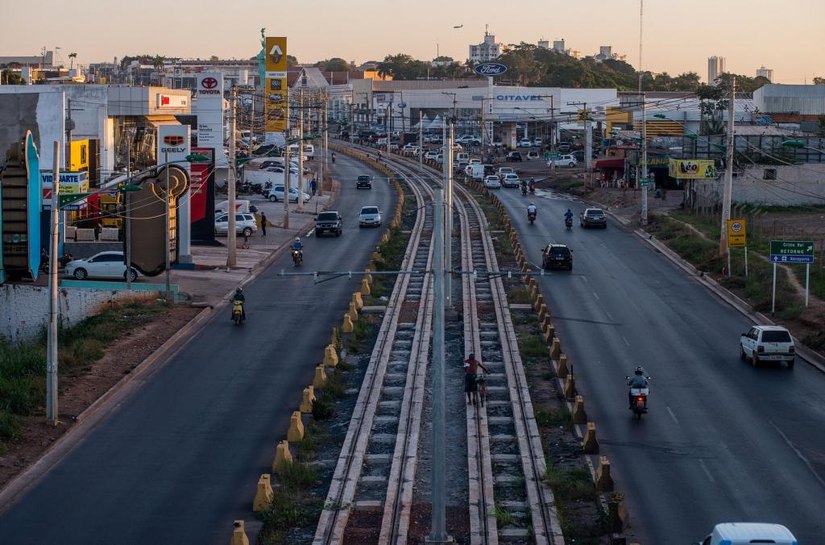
{"type": "Point", "coordinates": [490, 69]}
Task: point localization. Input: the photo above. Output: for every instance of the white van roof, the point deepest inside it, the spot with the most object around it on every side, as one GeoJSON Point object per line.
{"type": "Point", "coordinates": [735, 533]}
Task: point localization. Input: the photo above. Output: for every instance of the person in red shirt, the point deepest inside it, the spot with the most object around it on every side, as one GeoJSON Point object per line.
{"type": "Point", "coordinates": [471, 365]}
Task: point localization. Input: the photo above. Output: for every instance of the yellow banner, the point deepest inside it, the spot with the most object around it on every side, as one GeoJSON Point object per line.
{"type": "Point", "coordinates": [737, 233]}
{"type": "Point", "coordinates": [692, 169]}
{"type": "Point", "coordinates": [276, 104]}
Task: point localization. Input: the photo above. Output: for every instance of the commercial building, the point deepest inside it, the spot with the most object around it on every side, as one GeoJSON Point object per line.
{"type": "Point", "coordinates": [716, 67]}
{"type": "Point", "coordinates": [766, 73]}
{"type": "Point", "coordinates": [487, 50]}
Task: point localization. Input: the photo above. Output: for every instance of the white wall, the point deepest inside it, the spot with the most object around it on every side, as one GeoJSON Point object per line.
{"type": "Point", "coordinates": [794, 186]}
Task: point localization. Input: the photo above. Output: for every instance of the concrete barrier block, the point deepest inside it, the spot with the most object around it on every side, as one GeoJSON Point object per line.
{"type": "Point", "coordinates": [570, 387]}
{"type": "Point", "coordinates": [353, 312]}
{"type": "Point", "coordinates": [365, 287]}
{"type": "Point", "coordinates": [617, 513]}
{"type": "Point", "coordinates": [562, 370]}
{"type": "Point", "coordinates": [330, 356]}
{"type": "Point", "coordinates": [320, 377]}
{"type": "Point", "coordinates": [538, 301]}
{"type": "Point", "coordinates": [307, 397]}
{"type": "Point", "coordinates": [71, 232]}
{"type": "Point", "coordinates": [282, 454]}
{"type": "Point", "coordinates": [347, 326]}
{"type": "Point", "coordinates": [296, 428]}
{"type": "Point", "coordinates": [357, 300]}
{"type": "Point", "coordinates": [111, 234]}
{"type": "Point", "coordinates": [555, 348]}
{"type": "Point", "coordinates": [589, 443]}
{"type": "Point", "coordinates": [368, 276]}
{"type": "Point", "coordinates": [604, 482]}
{"type": "Point", "coordinates": [579, 416]}
{"type": "Point", "coordinates": [263, 495]}
{"type": "Point", "coordinates": [85, 235]}
{"type": "Point", "coordinates": [335, 338]}
{"type": "Point", "coordinates": [239, 534]}
{"type": "Point", "coordinates": [543, 312]}
{"type": "Point", "coordinates": [548, 333]}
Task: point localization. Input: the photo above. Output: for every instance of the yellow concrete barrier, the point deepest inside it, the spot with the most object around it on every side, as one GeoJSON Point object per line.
{"type": "Point", "coordinates": [538, 301]}
{"type": "Point", "coordinates": [296, 428]}
{"type": "Point", "coordinates": [239, 534]}
{"type": "Point", "coordinates": [320, 377]}
{"type": "Point", "coordinates": [617, 513]}
{"type": "Point", "coordinates": [543, 312]}
{"type": "Point", "coordinates": [604, 482]}
{"type": "Point", "coordinates": [555, 348]}
{"type": "Point", "coordinates": [335, 339]}
{"type": "Point", "coordinates": [353, 312]}
{"type": "Point", "coordinates": [357, 300]}
{"type": "Point", "coordinates": [368, 276]}
{"type": "Point", "coordinates": [307, 397]}
{"type": "Point", "coordinates": [548, 333]}
{"type": "Point", "coordinates": [330, 356]}
{"type": "Point", "coordinates": [579, 416]}
{"type": "Point", "coordinates": [263, 495]}
{"type": "Point", "coordinates": [282, 454]}
{"type": "Point", "coordinates": [589, 444]}
{"type": "Point", "coordinates": [562, 370]}
{"type": "Point", "coordinates": [365, 287]}
{"type": "Point", "coordinates": [570, 387]}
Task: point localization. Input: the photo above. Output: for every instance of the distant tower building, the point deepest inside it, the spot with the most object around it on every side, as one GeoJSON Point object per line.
{"type": "Point", "coordinates": [544, 44]}
{"type": "Point", "coordinates": [716, 67]}
{"type": "Point", "coordinates": [558, 46]}
{"type": "Point", "coordinates": [766, 73]}
{"type": "Point", "coordinates": [605, 52]}
{"type": "Point", "coordinates": [485, 51]}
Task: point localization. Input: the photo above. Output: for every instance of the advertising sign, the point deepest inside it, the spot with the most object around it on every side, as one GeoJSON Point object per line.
{"type": "Point", "coordinates": [792, 251]}
{"type": "Point", "coordinates": [737, 233]}
{"type": "Point", "coordinates": [490, 69]}
{"type": "Point", "coordinates": [275, 57]}
{"type": "Point", "coordinates": [276, 89]}
{"type": "Point", "coordinates": [70, 183]}
{"type": "Point", "coordinates": [202, 196]}
{"type": "Point", "coordinates": [173, 143]}
{"type": "Point", "coordinates": [692, 169]}
{"type": "Point", "coordinates": [210, 109]}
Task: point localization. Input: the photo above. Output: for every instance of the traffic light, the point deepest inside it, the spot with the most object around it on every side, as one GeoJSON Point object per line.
{"type": "Point", "coordinates": [21, 196]}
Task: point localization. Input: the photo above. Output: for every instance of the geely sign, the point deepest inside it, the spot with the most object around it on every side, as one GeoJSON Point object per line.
{"type": "Point", "coordinates": [490, 69]}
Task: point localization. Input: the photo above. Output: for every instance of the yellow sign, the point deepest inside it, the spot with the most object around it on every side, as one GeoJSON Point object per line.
{"type": "Point", "coordinates": [737, 234]}
{"type": "Point", "coordinates": [275, 57]}
{"type": "Point", "coordinates": [276, 104]}
{"type": "Point", "coordinates": [692, 169]}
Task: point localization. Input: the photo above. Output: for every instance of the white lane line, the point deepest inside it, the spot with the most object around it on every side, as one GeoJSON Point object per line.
{"type": "Point", "coordinates": [625, 340]}
{"type": "Point", "coordinates": [799, 454]}
{"type": "Point", "coordinates": [596, 295]}
{"type": "Point", "coordinates": [609, 316]}
{"type": "Point", "coordinates": [672, 415]}
{"type": "Point", "coordinates": [707, 472]}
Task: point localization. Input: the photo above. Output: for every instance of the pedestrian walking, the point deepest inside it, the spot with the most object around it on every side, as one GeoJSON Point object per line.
{"type": "Point", "coordinates": [263, 224]}
{"type": "Point", "coordinates": [471, 366]}
{"type": "Point", "coordinates": [313, 186]}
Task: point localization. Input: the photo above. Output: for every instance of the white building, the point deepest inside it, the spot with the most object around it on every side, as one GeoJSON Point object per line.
{"type": "Point", "coordinates": [716, 67]}
{"type": "Point", "coordinates": [488, 50]}
{"type": "Point", "coordinates": [766, 73]}
{"type": "Point", "coordinates": [558, 46]}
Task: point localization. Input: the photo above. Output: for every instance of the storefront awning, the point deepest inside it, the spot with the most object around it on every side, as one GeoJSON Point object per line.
{"type": "Point", "coordinates": [158, 120]}
{"type": "Point", "coordinates": [613, 162]}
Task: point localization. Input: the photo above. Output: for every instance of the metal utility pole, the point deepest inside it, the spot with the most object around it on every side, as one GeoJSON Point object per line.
{"type": "Point", "coordinates": [420, 141]}
{"type": "Point", "coordinates": [167, 260]}
{"type": "Point", "coordinates": [326, 146]}
{"type": "Point", "coordinates": [438, 531]}
{"type": "Point", "coordinates": [128, 202]}
{"type": "Point", "coordinates": [287, 180]}
{"type": "Point", "coordinates": [300, 153]}
{"type": "Point", "coordinates": [643, 179]}
{"type": "Point", "coordinates": [448, 216]}
{"type": "Point", "coordinates": [51, 338]}
{"type": "Point", "coordinates": [231, 241]}
{"type": "Point", "coordinates": [728, 187]}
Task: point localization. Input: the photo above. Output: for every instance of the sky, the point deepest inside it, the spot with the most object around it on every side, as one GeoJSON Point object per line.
{"type": "Point", "coordinates": [678, 35]}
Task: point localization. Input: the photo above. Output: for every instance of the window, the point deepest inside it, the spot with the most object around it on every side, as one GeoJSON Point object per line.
{"type": "Point", "coordinates": [769, 174]}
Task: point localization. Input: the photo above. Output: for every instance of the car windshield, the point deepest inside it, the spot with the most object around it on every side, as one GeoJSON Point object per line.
{"type": "Point", "coordinates": [369, 210]}
{"type": "Point", "coordinates": [595, 213]}
{"type": "Point", "coordinates": [327, 216]}
{"type": "Point", "coordinates": [559, 250]}
{"type": "Point", "coordinates": [776, 337]}
{"type": "Point", "coordinates": [363, 177]}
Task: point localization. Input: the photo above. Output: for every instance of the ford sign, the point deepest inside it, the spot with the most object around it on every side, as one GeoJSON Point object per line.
{"type": "Point", "coordinates": [490, 69]}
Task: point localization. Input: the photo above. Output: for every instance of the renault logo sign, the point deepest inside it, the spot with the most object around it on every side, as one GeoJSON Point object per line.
{"type": "Point", "coordinates": [275, 53]}
{"type": "Point", "coordinates": [490, 69]}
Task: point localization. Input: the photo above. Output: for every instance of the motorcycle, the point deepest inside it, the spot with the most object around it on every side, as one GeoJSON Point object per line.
{"type": "Point", "coordinates": [531, 216]}
{"type": "Point", "coordinates": [297, 257]}
{"type": "Point", "coordinates": [532, 189]}
{"type": "Point", "coordinates": [638, 400]}
{"type": "Point", "coordinates": [524, 190]}
{"type": "Point", "coordinates": [568, 223]}
{"type": "Point", "coordinates": [333, 158]}
{"type": "Point", "coordinates": [237, 312]}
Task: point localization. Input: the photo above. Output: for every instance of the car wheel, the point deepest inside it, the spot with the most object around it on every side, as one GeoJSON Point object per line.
{"type": "Point", "coordinates": [81, 274]}
{"type": "Point", "coordinates": [790, 363]}
{"type": "Point", "coordinates": [273, 198]}
{"type": "Point", "coordinates": [742, 355]}
{"type": "Point", "coordinates": [338, 234]}
{"type": "Point", "coordinates": [571, 165]}
{"type": "Point", "coordinates": [132, 275]}
{"type": "Point", "coordinates": [247, 231]}
{"type": "Point", "coordinates": [754, 359]}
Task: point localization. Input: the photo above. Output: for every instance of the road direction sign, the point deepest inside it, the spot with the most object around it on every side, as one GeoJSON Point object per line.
{"type": "Point", "coordinates": [792, 251]}
{"type": "Point", "coordinates": [645, 182]}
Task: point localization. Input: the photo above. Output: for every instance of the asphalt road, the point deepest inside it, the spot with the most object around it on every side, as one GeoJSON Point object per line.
{"type": "Point", "coordinates": [722, 441]}
{"type": "Point", "coordinates": [179, 461]}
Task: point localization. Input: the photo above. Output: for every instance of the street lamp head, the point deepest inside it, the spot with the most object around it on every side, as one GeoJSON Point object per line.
{"type": "Point", "coordinates": [128, 187]}
{"type": "Point", "coordinates": [793, 144]}
{"type": "Point", "coordinates": [196, 157]}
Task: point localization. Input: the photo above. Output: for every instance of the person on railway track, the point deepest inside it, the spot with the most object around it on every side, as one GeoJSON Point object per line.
{"type": "Point", "coordinates": [471, 367]}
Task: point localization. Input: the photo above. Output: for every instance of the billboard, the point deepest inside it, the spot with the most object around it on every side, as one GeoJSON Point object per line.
{"type": "Point", "coordinates": [173, 143]}
{"type": "Point", "coordinates": [210, 110]}
{"type": "Point", "coordinates": [692, 169]}
{"type": "Point", "coordinates": [276, 90]}
{"type": "Point", "coordinates": [202, 196]}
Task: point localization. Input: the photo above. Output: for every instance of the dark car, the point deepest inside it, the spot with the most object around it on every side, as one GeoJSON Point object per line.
{"type": "Point", "coordinates": [557, 256]}
{"type": "Point", "coordinates": [328, 222]}
{"type": "Point", "coordinates": [365, 181]}
{"type": "Point", "coordinates": [513, 156]}
{"type": "Point", "coordinates": [593, 217]}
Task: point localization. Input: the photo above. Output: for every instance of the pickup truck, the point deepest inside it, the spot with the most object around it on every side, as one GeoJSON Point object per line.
{"type": "Point", "coordinates": [329, 221]}
{"type": "Point", "coordinates": [364, 180]}
{"type": "Point", "coordinates": [767, 343]}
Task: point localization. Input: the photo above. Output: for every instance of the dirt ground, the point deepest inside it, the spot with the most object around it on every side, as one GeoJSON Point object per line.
{"type": "Point", "coordinates": [79, 392]}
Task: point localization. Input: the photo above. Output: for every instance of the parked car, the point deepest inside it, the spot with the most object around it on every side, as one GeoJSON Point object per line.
{"type": "Point", "coordinates": [564, 147]}
{"type": "Point", "coordinates": [276, 194]}
{"type": "Point", "coordinates": [593, 217]}
{"type": "Point", "coordinates": [767, 343]}
{"type": "Point", "coordinates": [430, 155]}
{"type": "Point", "coordinates": [111, 265]}
{"type": "Point", "coordinates": [513, 156]}
{"type": "Point", "coordinates": [492, 182]}
{"type": "Point", "coordinates": [557, 256]}
{"type": "Point", "coordinates": [532, 154]}
{"type": "Point", "coordinates": [537, 142]}
{"type": "Point", "coordinates": [563, 161]}
{"type": "Point", "coordinates": [474, 161]}
{"type": "Point", "coordinates": [504, 171]}
{"type": "Point", "coordinates": [511, 180]}
{"type": "Point", "coordinates": [525, 143]}
{"type": "Point", "coordinates": [329, 222]}
{"type": "Point", "coordinates": [245, 224]}
{"type": "Point", "coordinates": [365, 181]}
{"type": "Point", "coordinates": [469, 140]}
{"type": "Point", "coordinates": [370, 216]}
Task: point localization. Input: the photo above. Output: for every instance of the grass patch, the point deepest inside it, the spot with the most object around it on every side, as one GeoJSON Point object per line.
{"type": "Point", "coordinates": [533, 348]}
{"type": "Point", "coordinates": [571, 485]}
{"type": "Point", "coordinates": [555, 418]}
{"type": "Point", "coordinates": [9, 426]}
{"type": "Point", "coordinates": [503, 516]}
{"type": "Point", "coordinates": [519, 295]}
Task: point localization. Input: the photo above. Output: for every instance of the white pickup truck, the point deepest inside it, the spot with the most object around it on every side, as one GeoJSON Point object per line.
{"type": "Point", "coordinates": [767, 343]}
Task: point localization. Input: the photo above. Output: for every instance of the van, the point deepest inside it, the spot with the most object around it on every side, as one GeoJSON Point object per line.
{"type": "Point", "coordinates": [309, 151]}
{"type": "Point", "coordinates": [462, 157]}
{"type": "Point", "coordinates": [745, 533]}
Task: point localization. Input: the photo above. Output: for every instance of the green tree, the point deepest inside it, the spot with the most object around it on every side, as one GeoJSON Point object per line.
{"type": "Point", "coordinates": [10, 78]}
{"type": "Point", "coordinates": [335, 64]}
{"type": "Point", "coordinates": [819, 81]}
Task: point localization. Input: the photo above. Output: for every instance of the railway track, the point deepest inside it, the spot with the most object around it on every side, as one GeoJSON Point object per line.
{"type": "Point", "coordinates": [376, 471]}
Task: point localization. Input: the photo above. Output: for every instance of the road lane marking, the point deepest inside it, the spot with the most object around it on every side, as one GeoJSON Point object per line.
{"type": "Point", "coordinates": [596, 295]}
{"type": "Point", "coordinates": [707, 472]}
{"type": "Point", "coordinates": [625, 340]}
{"type": "Point", "coordinates": [672, 415]}
{"type": "Point", "coordinates": [799, 454]}
{"type": "Point", "coordinates": [609, 317]}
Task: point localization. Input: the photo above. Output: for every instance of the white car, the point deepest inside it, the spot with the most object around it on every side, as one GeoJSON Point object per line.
{"type": "Point", "coordinates": [370, 216]}
{"type": "Point", "coordinates": [525, 143]}
{"type": "Point", "coordinates": [276, 194]}
{"type": "Point", "coordinates": [431, 155]}
{"type": "Point", "coordinates": [767, 343]}
{"type": "Point", "coordinates": [504, 171]}
{"type": "Point", "coordinates": [245, 224]}
{"type": "Point", "coordinates": [110, 265]}
{"type": "Point", "coordinates": [491, 182]}
{"type": "Point", "coordinates": [511, 180]}
{"type": "Point", "coordinates": [474, 161]}
{"type": "Point", "coordinates": [563, 161]}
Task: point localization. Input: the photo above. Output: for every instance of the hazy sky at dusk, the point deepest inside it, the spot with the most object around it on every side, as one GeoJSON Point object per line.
{"type": "Point", "coordinates": [679, 35]}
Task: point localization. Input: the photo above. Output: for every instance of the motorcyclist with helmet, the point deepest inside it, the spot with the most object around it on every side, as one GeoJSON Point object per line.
{"type": "Point", "coordinates": [568, 218]}
{"type": "Point", "coordinates": [298, 246]}
{"type": "Point", "coordinates": [532, 211]}
{"type": "Point", "coordinates": [532, 185]}
{"type": "Point", "coordinates": [637, 382]}
{"type": "Point", "coordinates": [240, 297]}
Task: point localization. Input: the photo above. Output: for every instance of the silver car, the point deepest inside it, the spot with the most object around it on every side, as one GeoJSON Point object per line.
{"type": "Point", "coordinates": [370, 216]}
{"type": "Point", "coordinates": [111, 265]}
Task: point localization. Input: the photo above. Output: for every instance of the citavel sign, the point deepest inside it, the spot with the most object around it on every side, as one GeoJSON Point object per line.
{"type": "Point", "coordinates": [490, 69]}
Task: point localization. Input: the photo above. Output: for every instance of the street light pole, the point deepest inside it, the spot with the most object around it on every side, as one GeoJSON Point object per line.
{"type": "Point", "coordinates": [167, 272]}
{"type": "Point", "coordinates": [231, 241]}
{"type": "Point", "coordinates": [300, 153]}
{"type": "Point", "coordinates": [51, 353]}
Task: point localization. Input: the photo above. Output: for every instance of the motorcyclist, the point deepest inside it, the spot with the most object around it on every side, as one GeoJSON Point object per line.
{"type": "Point", "coordinates": [333, 157]}
{"type": "Point", "coordinates": [568, 216]}
{"type": "Point", "coordinates": [523, 187]}
{"type": "Point", "coordinates": [532, 185]}
{"type": "Point", "coordinates": [239, 296]}
{"type": "Point", "coordinates": [637, 381]}
{"type": "Point", "coordinates": [532, 209]}
{"type": "Point", "coordinates": [298, 245]}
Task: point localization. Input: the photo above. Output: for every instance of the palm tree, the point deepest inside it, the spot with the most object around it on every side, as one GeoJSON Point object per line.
{"type": "Point", "coordinates": [72, 57]}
